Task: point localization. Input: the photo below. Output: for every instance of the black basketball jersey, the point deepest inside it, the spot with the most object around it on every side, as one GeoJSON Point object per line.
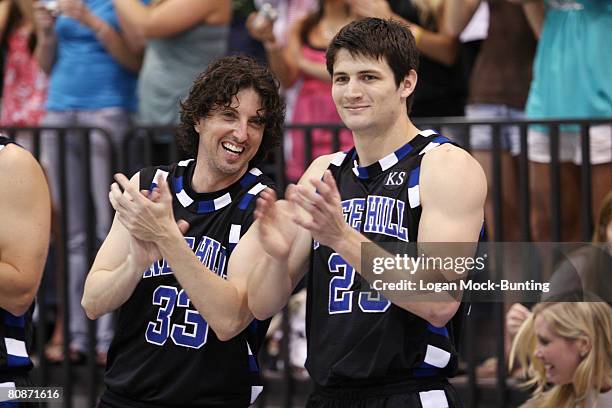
{"type": "Point", "coordinates": [4, 141]}
{"type": "Point", "coordinates": [15, 334]}
{"type": "Point", "coordinates": [164, 354]}
{"type": "Point", "coordinates": [354, 337]}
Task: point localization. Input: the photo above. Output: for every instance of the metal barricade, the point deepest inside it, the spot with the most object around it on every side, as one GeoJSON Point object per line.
{"type": "Point", "coordinates": [56, 147]}
{"type": "Point", "coordinates": [145, 146]}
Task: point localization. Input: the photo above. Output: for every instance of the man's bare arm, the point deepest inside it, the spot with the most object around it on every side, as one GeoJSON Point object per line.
{"type": "Point", "coordinates": [276, 249]}
{"type": "Point", "coordinates": [271, 279]}
{"type": "Point", "coordinates": [453, 189]}
{"type": "Point", "coordinates": [222, 302]}
{"type": "Point", "coordinates": [115, 272]}
{"type": "Point", "coordinates": [25, 212]}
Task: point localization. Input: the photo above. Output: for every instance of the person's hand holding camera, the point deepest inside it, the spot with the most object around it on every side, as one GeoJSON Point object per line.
{"type": "Point", "coordinates": [44, 15]}
{"type": "Point", "coordinates": [78, 10]}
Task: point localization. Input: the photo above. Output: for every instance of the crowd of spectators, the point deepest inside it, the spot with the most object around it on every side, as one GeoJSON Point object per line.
{"type": "Point", "coordinates": [113, 64]}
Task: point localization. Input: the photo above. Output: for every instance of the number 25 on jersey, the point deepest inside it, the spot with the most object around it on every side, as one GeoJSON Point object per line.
{"type": "Point", "coordinates": [341, 295]}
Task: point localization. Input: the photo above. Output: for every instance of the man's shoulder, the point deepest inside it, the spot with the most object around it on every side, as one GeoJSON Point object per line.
{"type": "Point", "coordinates": [318, 166]}
{"type": "Point", "coordinates": [147, 175]}
{"type": "Point", "coordinates": [13, 155]}
{"type": "Point", "coordinates": [449, 161]}
{"type": "Point", "coordinates": [267, 181]}
{"type": "Point", "coordinates": [449, 171]}
{"type": "Point", "coordinates": [18, 162]}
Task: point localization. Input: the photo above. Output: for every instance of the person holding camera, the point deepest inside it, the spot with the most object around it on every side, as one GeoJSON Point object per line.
{"type": "Point", "coordinates": [24, 85]}
{"type": "Point", "coordinates": [92, 83]}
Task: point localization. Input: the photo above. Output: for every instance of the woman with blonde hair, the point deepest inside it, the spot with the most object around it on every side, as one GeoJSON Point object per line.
{"type": "Point", "coordinates": [566, 350]}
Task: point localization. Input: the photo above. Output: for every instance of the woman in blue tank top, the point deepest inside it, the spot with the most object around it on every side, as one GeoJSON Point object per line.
{"type": "Point", "coordinates": [92, 84]}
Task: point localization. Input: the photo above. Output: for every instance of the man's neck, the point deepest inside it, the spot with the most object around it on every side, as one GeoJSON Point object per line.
{"type": "Point", "coordinates": [205, 181]}
{"type": "Point", "coordinates": [376, 143]}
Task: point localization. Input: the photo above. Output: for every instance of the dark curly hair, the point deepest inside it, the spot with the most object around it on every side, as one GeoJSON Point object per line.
{"type": "Point", "coordinates": [378, 39]}
{"type": "Point", "coordinates": [217, 86]}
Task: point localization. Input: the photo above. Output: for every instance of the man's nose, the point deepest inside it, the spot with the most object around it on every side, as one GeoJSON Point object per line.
{"type": "Point", "coordinates": [241, 130]}
{"type": "Point", "coordinates": [353, 89]}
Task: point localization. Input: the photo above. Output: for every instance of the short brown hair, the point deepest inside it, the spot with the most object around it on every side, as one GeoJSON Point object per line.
{"type": "Point", "coordinates": [387, 40]}
{"type": "Point", "coordinates": [217, 87]}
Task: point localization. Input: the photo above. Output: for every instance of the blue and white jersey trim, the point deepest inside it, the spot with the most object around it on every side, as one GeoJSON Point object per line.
{"type": "Point", "coordinates": [250, 177]}
{"type": "Point", "coordinates": [158, 173]}
{"type": "Point", "coordinates": [338, 159]}
{"type": "Point", "coordinates": [4, 402]}
{"type": "Point", "coordinates": [433, 399]}
{"type": "Point", "coordinates": [208, 206]}
{"type": "Point", "coordinates": [248, 197]}
{"type": "Point", "coordinates": [16, 350]}
{"type": "Point", "coordinates": [414, 197]}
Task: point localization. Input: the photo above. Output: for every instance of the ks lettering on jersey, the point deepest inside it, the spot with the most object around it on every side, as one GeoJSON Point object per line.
{"type": "Point", "coordinates": [395, 178]}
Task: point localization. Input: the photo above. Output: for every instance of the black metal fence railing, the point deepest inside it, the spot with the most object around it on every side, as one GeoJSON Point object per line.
{"type": "Point", "coordinates": [554, 128]}
{"type": "Point", "coordinates": [144, 146]}
{"type": "Point", "coordinates": [65, 153]}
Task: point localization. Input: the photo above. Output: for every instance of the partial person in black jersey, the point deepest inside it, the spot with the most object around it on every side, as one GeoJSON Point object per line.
{"type": "Point", "coordinates": [399, 184]}
{"type": "Point", "coordinates": [25, 225]}
{"type": "Point", "coordinates": [185, 336]}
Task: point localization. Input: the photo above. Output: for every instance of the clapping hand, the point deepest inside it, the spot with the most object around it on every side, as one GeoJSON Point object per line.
{"type": "Point", "coordinates": [147, 216]}
{"type": "Point", "coordinates": [322, 214]}
{"type": "Point", "coordinates": [277, 231]}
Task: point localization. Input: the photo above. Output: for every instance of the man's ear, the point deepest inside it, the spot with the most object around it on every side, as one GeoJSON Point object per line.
{"type": "Point", "coordinates": [197, 125]}
{"type": "Point", "coordinates": [408, 84]}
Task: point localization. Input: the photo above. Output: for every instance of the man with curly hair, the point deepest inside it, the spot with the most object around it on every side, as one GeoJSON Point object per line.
{"type": "Point", "coordinates": [185, 336]}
